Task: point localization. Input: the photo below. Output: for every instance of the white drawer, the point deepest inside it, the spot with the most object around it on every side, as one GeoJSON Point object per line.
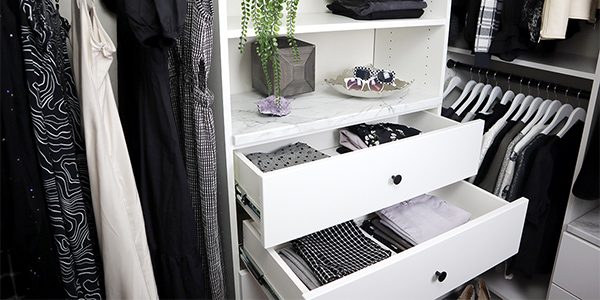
{"type": "Point", "coordinates": [491, 236]}
{"type": "Point", "coordinates": [577, 267]}
{"type": "Point", "coordinates": [343, 187]}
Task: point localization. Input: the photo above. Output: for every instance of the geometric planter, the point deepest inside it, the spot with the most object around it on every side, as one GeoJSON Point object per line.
{"type": "Point", "coordinates": [297, 76]}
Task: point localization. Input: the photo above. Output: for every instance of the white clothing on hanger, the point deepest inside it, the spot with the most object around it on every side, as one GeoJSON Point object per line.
{"type": "Point", "coordinates": [556, 15]}
{"type": "Point", "coordinates": [120, 225]}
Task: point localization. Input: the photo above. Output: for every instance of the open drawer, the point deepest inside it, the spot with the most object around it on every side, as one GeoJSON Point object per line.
{"type": "Point", "coordinates": [342, 187]}
{"type": "Point", "coordinates": [491, 236]}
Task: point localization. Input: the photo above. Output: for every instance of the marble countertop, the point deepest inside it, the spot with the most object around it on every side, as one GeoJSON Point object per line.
{"type": "Point", "coordinates": [587, 227]}
{"type": "Point", "coordinates": [321, 110]}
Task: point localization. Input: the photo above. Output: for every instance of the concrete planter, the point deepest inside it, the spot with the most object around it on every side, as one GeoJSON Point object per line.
{"type": "Point", "coordinates": [297, 77]}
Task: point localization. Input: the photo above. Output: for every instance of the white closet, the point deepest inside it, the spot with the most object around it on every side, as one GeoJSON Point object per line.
{"type": "Point", "coordinates": [283, 205]}
{"type": "Point", "coordinates": [575, 63]}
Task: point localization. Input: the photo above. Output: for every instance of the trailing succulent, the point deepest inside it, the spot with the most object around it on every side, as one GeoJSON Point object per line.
{"type": "Point", "coordinates": [266, 16]}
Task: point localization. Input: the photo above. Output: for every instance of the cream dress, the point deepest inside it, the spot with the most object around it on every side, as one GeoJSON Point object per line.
{"type": "Point", "coordinates": [119, 220]}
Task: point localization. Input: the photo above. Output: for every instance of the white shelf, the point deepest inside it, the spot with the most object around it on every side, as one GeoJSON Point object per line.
{"type": "Point", "coordinates": [561, 63]}
{"type": "Point", "coordinates": [516, 288]}
{"type": "Point", "coordinates": [321, 110]}
{"type": "Point", "coordinates": [327, 22]}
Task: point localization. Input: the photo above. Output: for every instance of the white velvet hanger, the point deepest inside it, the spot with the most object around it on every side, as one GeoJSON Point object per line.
{"type": "Point", "coordinates": [516, 102]}
{"type": "Point", "coordinates": [533, 108]}
{"type": "Point", "coordinates": [539, 126]}
{"type": "Point", "coordinates": [468, 87]}
{"type": "Point", "coordinates": [494, 94]}
{"type": "Point", "coordinates": [454, 82]}
{"type": "Point", "coordinates": [577, 114]}
{"type": "Point", "coordinates": [523, 107]}
{"type": "Point", "coordinates": [538, 116]}
{"type": "Point", "coordinates": [474, 93]}
{"type": "Point", "coordinates": [508, 96]}
{"type": "Point", "coordinates": [482, 96]}
{"type": "Point", "coordinates": [563, 112]}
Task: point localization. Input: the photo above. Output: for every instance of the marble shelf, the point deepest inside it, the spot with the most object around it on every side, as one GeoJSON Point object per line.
{"type": "Point", "coordinates": [321, 110]}
{"type": "Point", "coordinates": [587, 227]}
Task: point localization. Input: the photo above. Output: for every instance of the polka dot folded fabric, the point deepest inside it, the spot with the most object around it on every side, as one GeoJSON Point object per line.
{"type": "Point", "coordinates": [284, 157]}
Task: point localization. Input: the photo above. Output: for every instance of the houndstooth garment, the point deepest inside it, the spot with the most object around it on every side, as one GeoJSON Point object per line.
{"type": "Point", "coordinates": [337, 251]}
{"type": "Point", "coordinates": [189, 65]}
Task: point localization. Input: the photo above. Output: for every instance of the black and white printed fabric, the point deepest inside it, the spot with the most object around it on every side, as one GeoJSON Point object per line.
{"type": "Point", "coordinates": [189, 65]}
{"type": "Point", "coordinates": [338, 251]}
{"type": "Point", "coordinates": [284, 157]}
{"type": "Point", "coordinates": [55, 114]}
{"type": "Point", "coordinates": [380, 133]}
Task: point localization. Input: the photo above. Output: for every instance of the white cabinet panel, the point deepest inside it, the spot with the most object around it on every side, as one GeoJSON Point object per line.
{"type": "Point", "coordinates": [577, 268]}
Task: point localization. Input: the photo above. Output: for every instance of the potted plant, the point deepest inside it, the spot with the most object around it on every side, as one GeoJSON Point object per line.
{"type": "Point", "coordinates": [270, 52]}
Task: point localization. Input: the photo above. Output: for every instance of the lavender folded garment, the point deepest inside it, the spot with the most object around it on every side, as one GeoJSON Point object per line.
{"type": "Point", "coordinates": [422, 218]}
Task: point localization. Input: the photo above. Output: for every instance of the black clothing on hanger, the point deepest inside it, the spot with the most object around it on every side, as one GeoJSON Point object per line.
{"type": "Point", "coordinates": [547, 188]}
{"type": "Point", "coordinates": [145, 31]}
{"type": "Point", "coordinates": [498, 111]}
{"type": "Point", "coordinates": [491, 153]}
{"type": "Point", "coordinates": [29, 266]}
{"type": "Point", "coordinates": [587, 184]}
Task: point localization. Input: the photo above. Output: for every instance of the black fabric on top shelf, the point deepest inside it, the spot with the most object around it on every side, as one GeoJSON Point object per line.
{"type": "Point", "coordinates": [339, 9]}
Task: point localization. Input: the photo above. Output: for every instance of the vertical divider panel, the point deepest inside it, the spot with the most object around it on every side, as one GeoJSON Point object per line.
{"type": "Point", "coordinates": [415, 54]}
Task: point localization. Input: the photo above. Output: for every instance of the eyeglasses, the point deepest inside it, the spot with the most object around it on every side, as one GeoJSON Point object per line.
{"type": "Point", "coordinates": [374, 79]}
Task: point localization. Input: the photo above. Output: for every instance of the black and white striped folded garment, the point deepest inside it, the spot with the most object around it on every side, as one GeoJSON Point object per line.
{"type": "Point", "coordinates": [337, 251]}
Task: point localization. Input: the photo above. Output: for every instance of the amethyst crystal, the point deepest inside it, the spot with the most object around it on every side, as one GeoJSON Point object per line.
{"type": "Point", "coordinates": [270, 106]}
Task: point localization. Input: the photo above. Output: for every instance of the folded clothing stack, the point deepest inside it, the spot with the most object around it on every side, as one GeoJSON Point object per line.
{"type": "Point", "coordinates": [338, 251]}
{"type": "Point", "coordinates": [378, 9]}
{"type": "Point", "coordinates": [287, 156]}
{"type": "Point", "coordinates": [367, 135]}
{"type": "Point", "coordinates": [422, 218]}
{"type": "Point", "coordinates": [300, 268]}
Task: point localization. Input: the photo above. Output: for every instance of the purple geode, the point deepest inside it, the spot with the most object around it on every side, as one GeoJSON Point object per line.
{"type": "Point", "coordinates": [269, 106]}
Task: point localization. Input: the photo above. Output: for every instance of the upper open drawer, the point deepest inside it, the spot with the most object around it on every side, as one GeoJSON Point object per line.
{"type": "Point", "coordinates": [298, 200]}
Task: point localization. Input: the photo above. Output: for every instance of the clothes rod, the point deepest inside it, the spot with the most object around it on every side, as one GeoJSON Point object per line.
{"type": "Point", "coordinates": [532, 83]}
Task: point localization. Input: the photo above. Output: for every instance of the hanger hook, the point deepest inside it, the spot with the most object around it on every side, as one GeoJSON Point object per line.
{"type": "Point", "coordinates": [567, 93]}
{"type": "Point", "coordinates": [538, 88]}
{"type": "Point", "coordinates": [508, 80]}
{"type": "Point", "coordinates": [547, 91]}
{"type": "Point", "coordinates": [520, 84]}
{"type": "Point", "coordinates": [555, 95]}
{"type": "Point", "coordinates": [529, 87]}
{"type": "Point", "coordinates": [455, 63]}
{"type": "Point", "coordinates": [495, 80]}
{"type": "Point", "coordinates": [471, 72]}
{"type": "Point", "coordinates": [486, 76]}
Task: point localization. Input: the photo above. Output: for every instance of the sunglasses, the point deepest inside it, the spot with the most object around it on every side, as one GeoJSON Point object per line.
{"type": "Point", "coordinates": [374, 79]}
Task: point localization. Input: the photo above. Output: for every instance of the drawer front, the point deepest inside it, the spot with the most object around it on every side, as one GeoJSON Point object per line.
{"type": "Point", "coordinates": [556, 293]}
{"type": "Point", "coordinates": [577, 267]}
{"type": "Point", "coordinates": [489, 238]}
{"type": "Point", "coordinates": [343, 187]}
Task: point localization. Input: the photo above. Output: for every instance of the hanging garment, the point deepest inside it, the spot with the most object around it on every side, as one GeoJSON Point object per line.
{"type": "Point", "coordinates": [587, 184]}
{"type": "Point", "coordinates": [490, 119]}
{"type": "Point", "coordinates": [547, 188]}
{"type": "Point", "coordinates": [509, 39]}
{"type": "Point", "coordinates": [29, 266]}
{"type": "Point", "coordinates": [119, 220]}
{"type": "Point", "coordinates": [556, 15]}
{"type": "Point", "coordinates": [490, 153]}
{"type": "Point", "coordinates": [507, 169]}
{"type": "Point", "coordinates": [291, 155]}
{"type": "Point", "coordinates": [488, 180]}
{"type": "Point", "coordinates": [487, 26]}
{"type": "Point", "coordinates": [55, 114]}
{"type": "Point", "coordinates": [145, 32]}
{"type": "Point", "coordinates": [337, 251]}
{"type": "Point", "coordinates": [531, 18]}
{"type": "Point", "coordinates": [189, 66]}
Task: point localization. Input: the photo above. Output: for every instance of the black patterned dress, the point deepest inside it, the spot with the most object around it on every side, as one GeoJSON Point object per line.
{"type": "Point", "coordinates": [189, 65]}
{"type": "Point", "coordinates": [55, 114]}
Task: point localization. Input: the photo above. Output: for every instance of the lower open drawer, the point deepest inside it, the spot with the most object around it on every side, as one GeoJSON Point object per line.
{"type": "Point", "coordinates": [491, 236]}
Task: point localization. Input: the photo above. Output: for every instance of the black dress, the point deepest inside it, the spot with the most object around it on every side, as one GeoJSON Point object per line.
{"type": "Point", "coordinates": [27, 249]}
{"type": "Point", "coordinates": [145, 33]}
{"type": "Point", "coordinates": [55, 113]}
